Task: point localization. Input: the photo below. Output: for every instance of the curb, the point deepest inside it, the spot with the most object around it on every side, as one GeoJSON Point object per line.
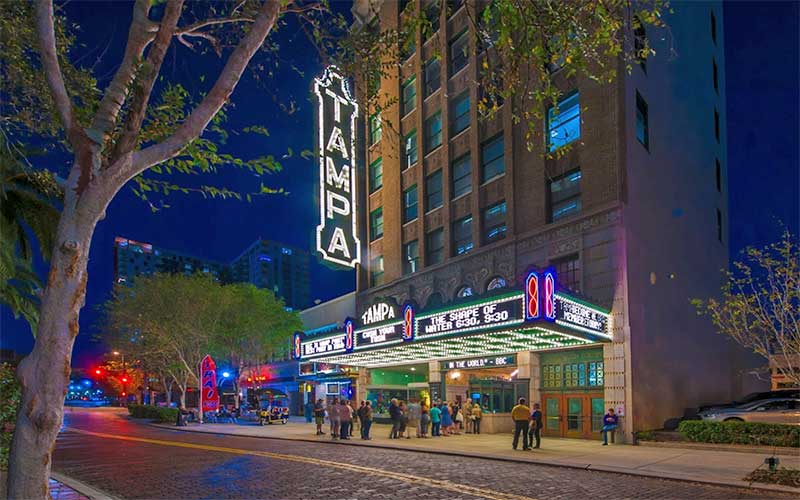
{"type": "Point", "coordinates": [739, 448]}
{"type": "Point", "coordinates": [81, 487]}
{"type": "Point", "coordinates": [597, 468]}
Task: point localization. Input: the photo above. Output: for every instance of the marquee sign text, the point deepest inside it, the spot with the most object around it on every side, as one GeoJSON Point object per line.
{"type": "Point", "coordinates": [574, 314]}
{"type": "Point", "coordinates": [496, 313]}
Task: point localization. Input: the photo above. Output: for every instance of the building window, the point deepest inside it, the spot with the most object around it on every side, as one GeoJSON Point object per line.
{"type": "Point", "coordinates": [574, 374]}
{"type": "Point", "coordinates": [432, 11]}
{"type": "Point", "coordinates": [713, 28]}
{"type": "Point", "coordinates": [433, 132]}
{"type": "Point", "coordinates": [375, 175]}
{"type": "Point", "coordinates": [459, 113]}
{"type": "Point", "coordinates": [433, 191]}
{"type": "Point", "coordinates": [462, 235]}
{"type": "Point", "coordinates": [494, 222]}
{"type": "Point", "coordinates": [376, 271]}
{"type": "Point", "coordinates": [719, 175]}
{"type": "Point", "coordinates": [564, 125]}
{"type": "Point", "coordinates": [568, 270]}
{"type": "Point", "coordinates": [459, 52]}
{"type": "Point", "coordinates": [496, 283]}
{"type": "Point", "coordinates": [376, 224]}
{"type": "Point", "coordinates": [642, 129]}
{"type": "Point", "coordinates": [715, 75]}
{"type": "Point", "coordinates": [410, 204]}
{"type": "Point", "coordinates": [565, 195]}
{"type": "Point", "coordinates": [716, 125]}
{"type": "Point", "coordinates": [434, 247]}
{"type": "Point", "coordinates": [409, 96]}
{"type": "Point", "coordinates": [640, 43]}
{"type": "Point", "coordinates": [596, 373]}
{"type": "Point", "coordinates": [551, 376]}
{"type": "Point", "coordinates": [410, 152]}
{"type": "Point", "coordinates": [433, 76]}
{"type": "Point", "coordinates": [461, 173]}
{"type": "Point", "coordinates": [375, 131]}
{"type": "Point", "coordinates": [464, 291]}
{"type": "Point", "coordinates": [411, 257]}
{"type": "Point", "coordinates": [492, 158]}
{"type": "Point", "coordinates": [719, 225]}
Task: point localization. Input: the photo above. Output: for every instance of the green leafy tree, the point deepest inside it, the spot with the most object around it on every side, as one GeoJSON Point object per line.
{"type": "Point", "coordinates": [10, 393]}
{"type": "Point", "coordinates": [255, 328]}
{"type": "Point", "coordinates": [760, 305]}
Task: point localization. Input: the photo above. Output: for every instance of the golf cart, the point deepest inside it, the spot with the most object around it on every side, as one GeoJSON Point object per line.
{"type": "Point", "coordinates": [273, 407]}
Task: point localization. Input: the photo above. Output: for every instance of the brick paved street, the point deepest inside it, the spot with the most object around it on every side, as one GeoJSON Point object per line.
{"type": "Point", "coordinates": [161, 463]}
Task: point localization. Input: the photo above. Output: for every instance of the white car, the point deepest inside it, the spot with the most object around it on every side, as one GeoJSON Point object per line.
{"type": "Point", "coordinates": [769, 411]}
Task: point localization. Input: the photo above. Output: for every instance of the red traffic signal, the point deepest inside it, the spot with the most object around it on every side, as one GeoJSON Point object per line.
{"type": "Point", "coordinates": [98, 371]}
{"type": "Point", "coordinates": [124, 378]}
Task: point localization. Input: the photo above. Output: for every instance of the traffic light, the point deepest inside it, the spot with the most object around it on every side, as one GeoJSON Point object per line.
{"type": "Point", "coordinates": [124, 379]}
{"type": "Point", "coordinates": [98, 371]}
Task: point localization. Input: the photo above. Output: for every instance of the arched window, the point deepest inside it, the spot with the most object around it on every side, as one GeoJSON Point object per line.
{"type": "Point", "coordinates": [495, 283]}
{"type": "Point", "coordinates": [435, 300]}
{"type": "Point", "coordinates": [464, 291]}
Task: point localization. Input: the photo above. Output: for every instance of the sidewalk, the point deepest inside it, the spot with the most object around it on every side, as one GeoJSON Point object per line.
{"type": "Point", "coordinates": [707, 466]}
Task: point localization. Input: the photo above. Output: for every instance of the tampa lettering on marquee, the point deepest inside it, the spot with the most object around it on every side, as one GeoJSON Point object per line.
{"type": "Point", "coordinates": [337, 239]}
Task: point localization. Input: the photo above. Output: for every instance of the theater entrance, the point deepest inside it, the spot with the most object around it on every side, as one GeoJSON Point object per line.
{"type": "Point", "coordinates": [573, 415]}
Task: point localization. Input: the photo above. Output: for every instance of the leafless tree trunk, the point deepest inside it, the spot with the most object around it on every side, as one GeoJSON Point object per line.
{"type": "Point", "coordinates": [90, 187]}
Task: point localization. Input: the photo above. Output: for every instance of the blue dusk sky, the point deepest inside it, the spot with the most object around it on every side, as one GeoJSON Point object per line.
{"type": "Point", "coordinates": [761, 48]}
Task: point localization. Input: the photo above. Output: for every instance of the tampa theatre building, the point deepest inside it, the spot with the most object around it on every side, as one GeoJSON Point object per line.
{"type": "Point", "coordinates": [489, 272]}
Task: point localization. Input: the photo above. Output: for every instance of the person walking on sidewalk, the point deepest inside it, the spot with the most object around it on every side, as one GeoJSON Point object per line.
{"type": "Point", "coordinates": [536, 426]}
{"type": "Point", "coordinates": [436, 420]}
{"type": "Point", "coordinates": [346, 419]}
{"type": "Point", "coordinates": [396, 415]}
{"type": "Point", "coordinates": [610, 421]}
{"type": "Point", "coordinates": [424, 420]}
{"type": "Point", "coordinates": [477, 415]}
{"type": "Point", "coordinates": [319, 416]}
{"type": "Point", "coordinates": [520, 415]}
{"type": "Point", "coordinates": [414, 417]}
{"type": "Point", "coordinates": [367, 421]}
{"type": "Point", "coordinates": [335, 419]}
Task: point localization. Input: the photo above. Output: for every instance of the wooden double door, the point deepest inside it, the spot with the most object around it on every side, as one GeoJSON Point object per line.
{"type": "Point", "coordinates": [575, 415]}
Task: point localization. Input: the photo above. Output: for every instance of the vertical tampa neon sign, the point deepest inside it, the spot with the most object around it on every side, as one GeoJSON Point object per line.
{"type": "Point", "coordinates": [540, 295]}
{"type": "Point", "coordinates": [337, 239]}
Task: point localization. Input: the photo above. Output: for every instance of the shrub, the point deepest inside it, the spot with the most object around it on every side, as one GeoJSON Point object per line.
{"type": "Point", "coordinates": [782, 476]}
{"type": "Point", "coordinates": [751, 433]}
{"type": "Point", "coordinates": [153, 413]}
{"type": "Point", "coordinates": [10, 393]}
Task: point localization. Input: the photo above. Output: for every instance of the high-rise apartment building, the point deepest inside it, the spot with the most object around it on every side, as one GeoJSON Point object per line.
{"type": "Point", "coordinates": [631, 222]}
{"type": "Point", "coordinates": [266, 264]}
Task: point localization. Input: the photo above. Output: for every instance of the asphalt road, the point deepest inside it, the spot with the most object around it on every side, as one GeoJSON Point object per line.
{"type": "Point", "coordinates": [126, 459]}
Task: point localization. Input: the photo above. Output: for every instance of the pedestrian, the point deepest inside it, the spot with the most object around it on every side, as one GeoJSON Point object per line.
{"type": "Point", "coordinates": [396, 417]}
{"type": "Point", "coordinates": [425, 420]}
{"type": "Point", "coordinates": [520, 414]}
{"type": "Point", "coordinates": [346, 419]}
{"type": "Point", "coordinates": [610, 421]}
{"type": "Point", "coordinates": [181, 420]}
{"type": "Point", "coordinates": [319, 416]}
{"type": "Point", "coordinates": [536, 426]}
{"type": "Point", "coordinates": [477, 415]}
{"type": "Point", "coordinates": [360, 416]}
{"type": "Point", "coordinates": [403, 419]}
{"type": "Point", "coordinates": [308, 411]}
{"type": "Point", "coordinates": [436, 420]}
{"type": "Point", "coordinates": [414, 417]}
{"type": "Point", "coordinates": [447, 419]}
{"type": "Point", "coordinates": [468, 416]}
{"type": "Point", "coordinates": [458, 418]}
{"type": "Point", "coordinates": [353, 417]}
{"type": "Point", "coordinates": [367, 421]}
{"type": "Point", "coordinates": [334, 418]}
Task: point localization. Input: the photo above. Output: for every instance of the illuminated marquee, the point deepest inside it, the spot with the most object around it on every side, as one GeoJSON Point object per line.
{"type": "Point", "coordinates": [337, 239]}
{"type": "Point", "coordinates": [573, 314]}
{"type": "Point", "coordinates": [322, 346]}
{"type": "Point", "coordinates": [479, 362]}
{"type": "Point", "coordinates": [500, 312]}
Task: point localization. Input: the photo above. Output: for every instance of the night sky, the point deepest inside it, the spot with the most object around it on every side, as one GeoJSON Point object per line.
{"type": "Point", "coordinates": [761, 46]}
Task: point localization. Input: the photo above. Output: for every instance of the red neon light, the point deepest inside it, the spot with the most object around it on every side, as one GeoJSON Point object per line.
{"type": "Point", "coordinates": [549, 293]}
{"type": "Point", "coordinates": [532, 303]}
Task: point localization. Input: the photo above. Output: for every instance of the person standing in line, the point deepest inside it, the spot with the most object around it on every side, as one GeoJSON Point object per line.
{"type": "Point", "coordinates": [360, 416]}
{"type": "Point", "coordinates": [520, 414]}
{"type": "Point", "coordinates": [610, 421]}
{"type": "Point", "coordinates": [468, 416]}
{"type": "Point", "coordinates": [396, 416]}
{"type": "Point", "coordinates": [319, 416]}
{"type": "Point", "coordinates": [458, 418]}
{"type": "Point", "coordinates": [367, 421]}
{"type": "Point", "coordinates": [477, 415]}
{"type": "Point", "coordinates": [403, 419]}
{"type": "Point", "coordinates": [346, 420]}
{"type": "Point", "coordinates": [308, 411]}
{"type": "Point", "coordinates": [334, 418]}
{"type": "Point", "coordinates": [436, 420]}
{"type": "Point", "coordinates": [354, 422]}
{"type": "Point", "coordinates": [414, 417]}
{"type": "Point", "coordinates": [447, 419]}
{"type": "Point", "coordinates": [424, 420]}
{"type": "Point", "coordinates": [536, 426]}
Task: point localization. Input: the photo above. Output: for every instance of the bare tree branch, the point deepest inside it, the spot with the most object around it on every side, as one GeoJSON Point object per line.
{"type": "Point", "coordinates": [52, 70]}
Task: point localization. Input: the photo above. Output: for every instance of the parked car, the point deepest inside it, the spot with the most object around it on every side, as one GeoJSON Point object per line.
{"type": "Point", "coordinates": [753, 397]}
{"type": "Point", "coordinates": [770, 411]}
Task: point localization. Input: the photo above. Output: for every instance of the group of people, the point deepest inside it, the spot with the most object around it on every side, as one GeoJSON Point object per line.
{"type": "Point", "coordinates": [528, 423]}
{"type": "Point", "coordinates": [343, 417]}
{"type": "Point", "coordinates": [443, 418]}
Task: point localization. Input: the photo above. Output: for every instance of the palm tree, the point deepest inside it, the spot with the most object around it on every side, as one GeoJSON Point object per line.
{"type": "Point", "coordinates": [28, 213]}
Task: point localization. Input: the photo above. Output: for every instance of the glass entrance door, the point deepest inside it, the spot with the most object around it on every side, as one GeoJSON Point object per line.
{"type": "Point", "coordinates": [573, 415]}
{"type": "Point", "coordinates": [553, 415]}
